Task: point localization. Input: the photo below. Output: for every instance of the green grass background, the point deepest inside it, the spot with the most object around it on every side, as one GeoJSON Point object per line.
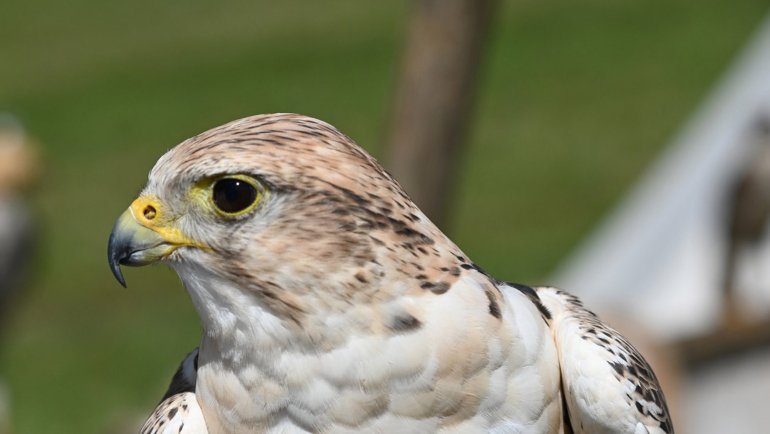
{"type": "Point", "coordinates": [576, 98]}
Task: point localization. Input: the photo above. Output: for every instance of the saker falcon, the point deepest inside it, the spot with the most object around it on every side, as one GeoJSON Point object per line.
{"type": "Point", "coordinates": [331, 304]}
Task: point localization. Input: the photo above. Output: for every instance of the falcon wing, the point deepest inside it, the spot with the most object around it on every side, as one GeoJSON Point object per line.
{"type": "Point", "coordinates": [179, 412]}
{"type": "Point", "coordinates": [608, 386]}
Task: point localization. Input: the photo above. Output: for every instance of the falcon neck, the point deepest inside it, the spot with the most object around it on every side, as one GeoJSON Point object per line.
{"type": "Point", "coordinates": [236, 318]}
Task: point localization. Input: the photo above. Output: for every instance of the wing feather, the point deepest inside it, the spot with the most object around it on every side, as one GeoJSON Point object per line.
{"type": "Point", "coordinates": [608, 386]}
{"type": "Point", "coordinates": [179, 412]}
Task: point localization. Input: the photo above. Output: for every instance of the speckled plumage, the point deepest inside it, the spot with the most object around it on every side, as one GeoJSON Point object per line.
{"type": "Point", "coordinates": [179, 412]}
{"type": "Point", "coordinates": [608, 386]}
{"type": "Point", "coordinates": [337, 306]}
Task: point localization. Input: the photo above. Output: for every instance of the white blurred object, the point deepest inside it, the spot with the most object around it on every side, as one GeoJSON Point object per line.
{"type": "Point", "coordinates": [5, 413]}
{"type": "Point", "coordinates": [730, 397]}
{"type": "Point", "coordinates": [660, 257]}
{"type": "Point", "coordinates": [15, 236]}
{"type": "Point", "coordinates": [18, 168]}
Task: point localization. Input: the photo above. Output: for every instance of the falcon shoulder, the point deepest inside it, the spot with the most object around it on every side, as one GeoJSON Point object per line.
{"type": "Point", "coordinates": [179, 411]}
{"type": "Point", "coordinates": [608, 386]}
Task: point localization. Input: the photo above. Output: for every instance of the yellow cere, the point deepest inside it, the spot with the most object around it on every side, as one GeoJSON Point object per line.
{"type": "Point", "coordinates": [148, 211]}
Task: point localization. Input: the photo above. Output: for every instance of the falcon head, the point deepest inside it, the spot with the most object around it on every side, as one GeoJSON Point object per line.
{"type": "Point", "coordinates": [285, 213]}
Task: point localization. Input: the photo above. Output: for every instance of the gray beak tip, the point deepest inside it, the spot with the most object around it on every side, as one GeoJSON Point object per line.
{"type": "Point", "coordinates": [115, 253]}
{"type": "Point", "coordinates": [116, 271]}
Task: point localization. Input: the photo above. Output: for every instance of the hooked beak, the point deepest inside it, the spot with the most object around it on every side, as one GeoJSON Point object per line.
{"type": "Point", "coordinates": [141, 236]}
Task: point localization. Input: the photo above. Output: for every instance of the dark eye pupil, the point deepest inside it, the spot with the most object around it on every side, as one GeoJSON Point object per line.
{"type": "Point", "coordinates": [232, 195]}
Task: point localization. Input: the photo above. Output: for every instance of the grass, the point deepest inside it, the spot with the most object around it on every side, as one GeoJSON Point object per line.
{"type": "Point", "coordinates": [575, 100]}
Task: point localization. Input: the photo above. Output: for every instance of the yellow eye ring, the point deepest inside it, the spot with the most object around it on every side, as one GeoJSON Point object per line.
{"type": "Point", "coordinates": [235, 195]}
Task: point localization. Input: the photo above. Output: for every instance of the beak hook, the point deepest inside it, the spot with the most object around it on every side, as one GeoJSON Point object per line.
{"type": "Point", "coordinates": [116, 251]}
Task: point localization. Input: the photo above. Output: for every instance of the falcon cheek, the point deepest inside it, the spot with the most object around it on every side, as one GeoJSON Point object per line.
{"type": "Point", "coordinates": [143, 235]}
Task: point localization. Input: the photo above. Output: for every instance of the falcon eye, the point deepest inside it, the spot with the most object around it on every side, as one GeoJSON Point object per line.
{"type": "Point", "coordinates": [234, 195]}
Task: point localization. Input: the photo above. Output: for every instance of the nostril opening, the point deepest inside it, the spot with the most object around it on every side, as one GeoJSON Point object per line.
{"type": "Point", "coordinates": [149, 212]}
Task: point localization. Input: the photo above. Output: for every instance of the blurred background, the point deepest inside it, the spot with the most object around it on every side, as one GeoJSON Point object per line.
{"type": "Point", "coordinates": [548, 124]}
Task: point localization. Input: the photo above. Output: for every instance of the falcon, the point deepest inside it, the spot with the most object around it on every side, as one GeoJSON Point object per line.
{"type": "Point", "coordinates": [331, 304]}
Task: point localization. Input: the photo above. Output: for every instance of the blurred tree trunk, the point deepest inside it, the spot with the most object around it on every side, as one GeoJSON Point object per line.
{"type": "Point", "coordinates": [434, 97]}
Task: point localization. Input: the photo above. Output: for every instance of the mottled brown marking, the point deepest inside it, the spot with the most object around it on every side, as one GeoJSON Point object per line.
{"type": "Point", "coordinates": [340, 213]}
{"type": "Point", "coordinates": [404, 322]}
{"type": "Point", "coordinates": [494, 306]}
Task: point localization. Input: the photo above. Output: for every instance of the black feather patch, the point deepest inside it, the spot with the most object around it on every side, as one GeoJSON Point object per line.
{"type": "Point", "coordinates": [185, 377]}
{"type": "Point", "coordinates": [532, 295]}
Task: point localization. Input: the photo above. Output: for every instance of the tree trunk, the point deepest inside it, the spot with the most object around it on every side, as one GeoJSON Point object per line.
{"type": "Point", "coordinates": [434, 96]}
